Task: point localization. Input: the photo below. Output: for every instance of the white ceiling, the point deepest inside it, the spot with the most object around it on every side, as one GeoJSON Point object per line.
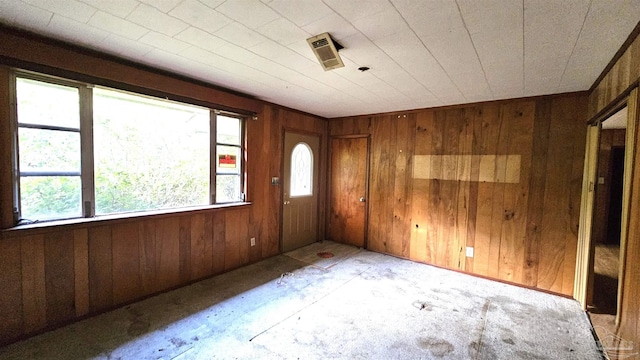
{"type": "Point", "coordinates": [422, 53]}
{"type": "Point", "coordinates": [616, 121]}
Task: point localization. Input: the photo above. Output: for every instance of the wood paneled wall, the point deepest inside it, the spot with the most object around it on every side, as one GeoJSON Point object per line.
{"type": "Point", "coordinates": [57, 274]}
{"type": "Point", "coordinates": [524, 232]}
{"type": "Point", "coordinates": [624, 73]}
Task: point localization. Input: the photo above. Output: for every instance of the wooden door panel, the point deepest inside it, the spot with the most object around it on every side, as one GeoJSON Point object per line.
{"type": "Point", "coordinates": [347, 214]}
{"type": "Point", "coordinates": [300, 213]}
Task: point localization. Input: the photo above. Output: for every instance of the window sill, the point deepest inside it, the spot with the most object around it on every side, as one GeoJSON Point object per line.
{"type": "Point", "coordinates": [116, 218]}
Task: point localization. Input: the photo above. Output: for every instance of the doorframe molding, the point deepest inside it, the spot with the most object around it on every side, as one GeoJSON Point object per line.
{"type": "Point", "coordinates": [366, 185]}
{"type": "Point", "coordinates": [585, 240]}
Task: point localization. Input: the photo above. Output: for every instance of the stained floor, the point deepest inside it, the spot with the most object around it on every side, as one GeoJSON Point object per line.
{"type": "Point", "coordinates": [356, 305]}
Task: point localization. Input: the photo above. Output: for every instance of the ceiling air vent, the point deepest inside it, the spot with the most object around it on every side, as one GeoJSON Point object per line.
{"type": "Point", "coordinates": [326, 51]}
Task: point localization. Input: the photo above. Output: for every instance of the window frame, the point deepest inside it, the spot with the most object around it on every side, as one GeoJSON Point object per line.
{"type": "Point", "coordinates": [87, 176]}
{"type": "Point", "coordinates": [214, 157]}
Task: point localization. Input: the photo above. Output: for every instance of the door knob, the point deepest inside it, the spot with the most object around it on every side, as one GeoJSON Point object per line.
{"type": "Point", "coordinates": [362, 199]}
{"type": "Point", "coordinates": [287, 202]}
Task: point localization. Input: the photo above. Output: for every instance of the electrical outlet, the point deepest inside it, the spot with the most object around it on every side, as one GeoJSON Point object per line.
{"type": "Point", "coordinates": [253, 241]}
{"type": "Point", "coordinates": [469, 251]}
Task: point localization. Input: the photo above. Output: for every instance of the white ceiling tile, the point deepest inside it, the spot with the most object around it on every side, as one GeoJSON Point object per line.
{"type": "Point", "coordinates": [163, 5]}
{"type": "Point", "coordinates": [240, 35]}
{"type": "Point", "coordinates": [120, 8]}
{"type": "Point", "coordinates": [551, 28]}
{"type": "Point", "coordinates": [381, 24]}
{"type": "Point", "coordinates": [123, 47]}
{"type": "Point", "coordinates": [199, 15]}
{"type": "Point", "coordinates": [153, 19]}
{"type": "Point", "coordinates": [75, 31]}
{"type": "Point", "coordinates": [201, 38]}
{"type": "Point", "coordinates": [428, 18]}
{"type": "Point", "coordinates": [598, 39]}
{"type": "Point", "coordinates": [23, 15]}
{"type": "Point", "coordinates": [302, 12]}
{"type": "Point", "coordinates": [302, 48]}
{"type": "Point", "coordinates": [250, 13]}
{"type": "Point", "coordinates": [117, 26]}
{"type": "Point", "coordinates": [334, 24]}
{"type": "Point", "coordinates": [164, 42]}
{"type": "Point", "coordinates": [355, 10]}
{"type": "Point", "coordinates": [72, 9]}
{"type": "Point", "coordinates": [283, 31]}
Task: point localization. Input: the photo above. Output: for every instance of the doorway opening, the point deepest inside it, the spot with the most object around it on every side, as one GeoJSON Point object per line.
{"type": "Point", "coordinates": [604, 286]}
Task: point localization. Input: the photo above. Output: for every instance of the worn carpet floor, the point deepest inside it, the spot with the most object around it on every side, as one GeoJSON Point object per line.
{"type": "Point", "coordinates": [364, 306]}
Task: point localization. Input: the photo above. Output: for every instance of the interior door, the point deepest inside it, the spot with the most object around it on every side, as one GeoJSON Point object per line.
{"type": "Point", "coordinates": [300, 190]}
{"type": "Point", "coordinates": [348, 190]}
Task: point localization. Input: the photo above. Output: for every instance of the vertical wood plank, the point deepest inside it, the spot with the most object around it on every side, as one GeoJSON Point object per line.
{"type": "Point", "coordinates": [435, 236]}
{"type": "Point", "coordinates": [537, 184]}
{"type": "Point", "coordinates": [474, 175]}
{"type": "Point", "coordinates": [499, 133]}
{"type": "Point", "coordinates": [379, 184]}
{"type": "Point", "coordinates": [201, 246]}
{"type": "Point", "coordinates": [167, 253]}
{"type": "Point", "coordinates": [126, 262]}
{"type": "Point", "coordinates": [59, 276]}
{"type": "Point", "coordinates": [100, 269]}
{"type": "Point", "coordinates": [81, 270]}
{"type": "Point", "coordinates": [147, 252]}
{"type": "Point", "coordinates": [402, 188]}
{"type": "Point", "coordinates": [33, 283]}
{"type": "Point", "coordinates": [11, 319]}
{"type": "Point", "coordinates": [232, 257]}
{"type": "Point", "coordinates": [185, 249]}
{"type": "Point", "coordinates": [219, 233]}
{"type": "Point", "coordinates": [419, 204]}
{"type": "Point", "coordinates": [556, 200]}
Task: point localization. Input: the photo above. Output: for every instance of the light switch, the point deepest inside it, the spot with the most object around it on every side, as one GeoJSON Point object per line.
{"type": "Point", "coordinates": [601, 180]}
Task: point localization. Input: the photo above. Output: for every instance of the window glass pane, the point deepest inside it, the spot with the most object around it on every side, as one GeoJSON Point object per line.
{"type": "Point", "coordinates": [228, 130]}
{"type": "Point", "coordinates": [228, 188]}
{"type": "Point", "coordinates": [301, 170]}
{"type": "Point", "coordinates": [149, 154]}
{"type": "Point", "coordinates": [228, 160]}
{"type": "Point", "coordinates": [50, 197]}
{"type": "Point", "coordinates": [47, 104]}
{"type": "Point", "coordinates": [49, 150]}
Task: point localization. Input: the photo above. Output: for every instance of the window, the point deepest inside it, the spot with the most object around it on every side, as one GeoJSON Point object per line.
{"type": "Point", "coordinates": [301, 170]}
{"type": "Point", "coordinates": [92, 151]}
{"type": "Point", "coordinates": [228, 155]}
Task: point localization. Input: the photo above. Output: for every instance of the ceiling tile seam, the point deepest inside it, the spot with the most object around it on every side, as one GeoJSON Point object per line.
{"type": "Point", "coordinates": [53, 13]}
{"type": "Point", "coordinates": [390, 57]}
{"type": "Point", "coordinates": [284, 80]}
{"type": "Point", "coordinates": [430, 53]}
{"type": "Point", "coordinates": [575, 44]}
{"type": "Point", "coordinates": [484, 73]}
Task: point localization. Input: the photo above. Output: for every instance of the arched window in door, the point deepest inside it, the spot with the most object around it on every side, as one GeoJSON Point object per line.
{"type": "Point", "coordinates": [301, 170]}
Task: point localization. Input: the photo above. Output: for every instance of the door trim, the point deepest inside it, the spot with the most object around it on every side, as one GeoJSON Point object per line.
{"type": "Point", "coordinates": [366, 183]}
{"type": "Point", "coordinates": [285, 130]}
{"type": "Point", "coordinates": [583, 256]}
